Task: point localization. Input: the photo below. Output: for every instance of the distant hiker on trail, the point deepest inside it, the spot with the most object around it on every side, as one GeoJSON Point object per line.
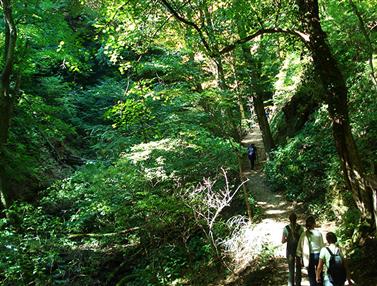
{"type": "Point", "coordinates": [309, 247]}
{"type": "Point", "coordinates": [252, 155]}
{"type": "Point", "coordinates": [291, 236]}
{"type": "Point", "coordinates": [333, 263]}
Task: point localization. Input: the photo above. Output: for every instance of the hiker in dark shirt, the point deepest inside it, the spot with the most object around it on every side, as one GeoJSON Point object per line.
{"type": "Point", "coordinates": [291, 236]}
{"type": "Point", "coordinates": [252, 155]}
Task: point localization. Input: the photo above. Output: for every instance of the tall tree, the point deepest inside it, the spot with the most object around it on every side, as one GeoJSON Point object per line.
{"type": "Point", "coordinates": [363, 188]}
{"type": "Point", "coordinates": [254, 81]}
{"type": "Point", "coordinates": [210, 42]}
{"type": "Point", "coordinates": [209, 39]}
{"type": "Point", "coordinates": [7, 95]}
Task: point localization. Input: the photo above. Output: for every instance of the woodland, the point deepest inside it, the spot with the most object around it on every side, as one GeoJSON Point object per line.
{"type": "Point", "coordinates": [121, 128]}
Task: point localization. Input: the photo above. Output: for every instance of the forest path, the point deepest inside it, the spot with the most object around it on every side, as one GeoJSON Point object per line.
{"type": "Point", "coordinates": [273, 211]}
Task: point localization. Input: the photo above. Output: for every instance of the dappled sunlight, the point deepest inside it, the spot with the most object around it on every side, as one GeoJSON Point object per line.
{"type": "Point", "coordinates": [251, 240]}
{"type": "Point", "coordinates": [249, 243]}
{"type": "Point", "coordinates": [272, 212]}
{"type": "Point", "coordinates": [264, 238]}
{"type": "Point", "coordinates": [143, 151]}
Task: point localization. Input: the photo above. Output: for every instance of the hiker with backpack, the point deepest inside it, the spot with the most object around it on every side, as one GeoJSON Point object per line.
{"type": "Point", "coordinates": [308, 249]}
{"type": "Point", "coordinates": [333, 264]}
{"type": "Point", "coordinates": [291, 236]}
{"type": "Point", "coordinates": [252, 155]}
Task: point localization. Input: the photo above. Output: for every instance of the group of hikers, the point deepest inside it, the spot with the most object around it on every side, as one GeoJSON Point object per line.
{"type": "Point", "coordinates": [326, 265]}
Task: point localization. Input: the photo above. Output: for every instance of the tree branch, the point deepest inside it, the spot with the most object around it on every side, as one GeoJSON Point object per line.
{"type": "Point", "coordinates": [302, 36]}
{"type": "Point", "coordinates": [187, 22]}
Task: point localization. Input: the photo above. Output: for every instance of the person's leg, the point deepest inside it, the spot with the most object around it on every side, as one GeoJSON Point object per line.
{"type": "Point", "coordinates": [297, 271]}
{"type": "Point", "coordinates": [311, 270]}
{"type": "Point", "coordinates": [316, 261]}
{"type": "Point", "coordinates": [291, 269]}
{"type": "Point", "coordinates": [251, 159]}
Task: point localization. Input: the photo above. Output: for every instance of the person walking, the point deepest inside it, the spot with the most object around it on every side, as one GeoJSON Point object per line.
{"type": "Point", "coordinates": [291, 236]}
{"type": "Point", "coordinates": [338, 272]}
{"type": "Point", "coordinates": [309, 247]}
{"type": "Point", "coordinates": [252, 155]}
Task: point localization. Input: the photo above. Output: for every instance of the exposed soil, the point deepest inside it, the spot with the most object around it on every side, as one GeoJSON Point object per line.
{"type": "Point", "coordinates": [274, 211]}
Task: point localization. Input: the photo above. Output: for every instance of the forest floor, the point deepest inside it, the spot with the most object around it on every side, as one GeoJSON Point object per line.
{"type": "Point", "coordinates": [273, 211]}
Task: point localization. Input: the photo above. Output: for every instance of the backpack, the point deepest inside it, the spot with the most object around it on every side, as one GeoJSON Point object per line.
{"type": "Point", "coordinates": [336, 271]}
{"type": "Point", "coordinates": [251, 151]}
{"type": "Point", "coordinates": [292, 239]}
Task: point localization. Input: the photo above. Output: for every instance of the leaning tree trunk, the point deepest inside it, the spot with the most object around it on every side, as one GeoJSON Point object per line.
{"type": "Point", "coordinates": [333, 81]}
{"type": "Point", "coordinates": [6, 98]}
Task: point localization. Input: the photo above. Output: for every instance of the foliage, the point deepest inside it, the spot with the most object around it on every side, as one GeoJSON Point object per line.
{"type": "Point", "coordinates": [364, 119]}
{"type": "Point", "coordinates": [134, 194]}
{"type": "Point", "coordinates": [310, 154]}
{"type": "Point", "coordinates": [136, 96]}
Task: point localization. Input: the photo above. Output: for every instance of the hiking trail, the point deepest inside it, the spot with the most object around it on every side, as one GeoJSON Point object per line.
{"type": "Point", "coordinates": [274, 210]}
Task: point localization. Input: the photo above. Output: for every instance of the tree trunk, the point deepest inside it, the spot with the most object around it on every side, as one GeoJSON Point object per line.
{"type": "Point", "coordinates": [256, 90]}
{"type": "Point", "coordinates": [6, 98]}
{"type": "Point", "coordinates": [333, 81]}
{"type": "Point", "coordinates": [257, 94]}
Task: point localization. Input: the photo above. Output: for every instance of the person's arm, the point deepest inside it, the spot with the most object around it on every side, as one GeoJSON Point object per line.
{"type": "Point", "coordinates": [322, 243]}
{"type": "Point", "coordinates": [300, 244]}
{"type": "Point", "coordinates": [284, 239]}
{"type": "Point", "coordinates": [285, 236]}
{"type": "Point", "coordinates": [256, 153]}
{"type": "Point", "coordinates": [319, 271]}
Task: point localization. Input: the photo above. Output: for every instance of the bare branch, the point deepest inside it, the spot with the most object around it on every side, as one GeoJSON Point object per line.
{"type": "Point", "coordinates": [302, 36]}
{"type": "Point", "coordinates": [207, 204]}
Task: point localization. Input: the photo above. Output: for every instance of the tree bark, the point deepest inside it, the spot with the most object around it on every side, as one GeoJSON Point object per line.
{"type": "Point", "coordinates": [6, 98]}
{"type": "Point", "coordinates": [363, 191]}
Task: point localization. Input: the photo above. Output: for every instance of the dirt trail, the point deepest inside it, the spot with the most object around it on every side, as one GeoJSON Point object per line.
{"type": "Point", "coordinates": [274, 216]}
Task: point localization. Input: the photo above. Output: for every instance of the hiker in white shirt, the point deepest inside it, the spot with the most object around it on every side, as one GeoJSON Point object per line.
{"type": "Point", "coordinates": [309, 247]}
{"type": "Point", "coordinates": [324, 261]}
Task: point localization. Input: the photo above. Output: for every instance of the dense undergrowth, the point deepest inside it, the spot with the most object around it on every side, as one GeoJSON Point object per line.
{"type": "Point", "coordinates": [125, 216]}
